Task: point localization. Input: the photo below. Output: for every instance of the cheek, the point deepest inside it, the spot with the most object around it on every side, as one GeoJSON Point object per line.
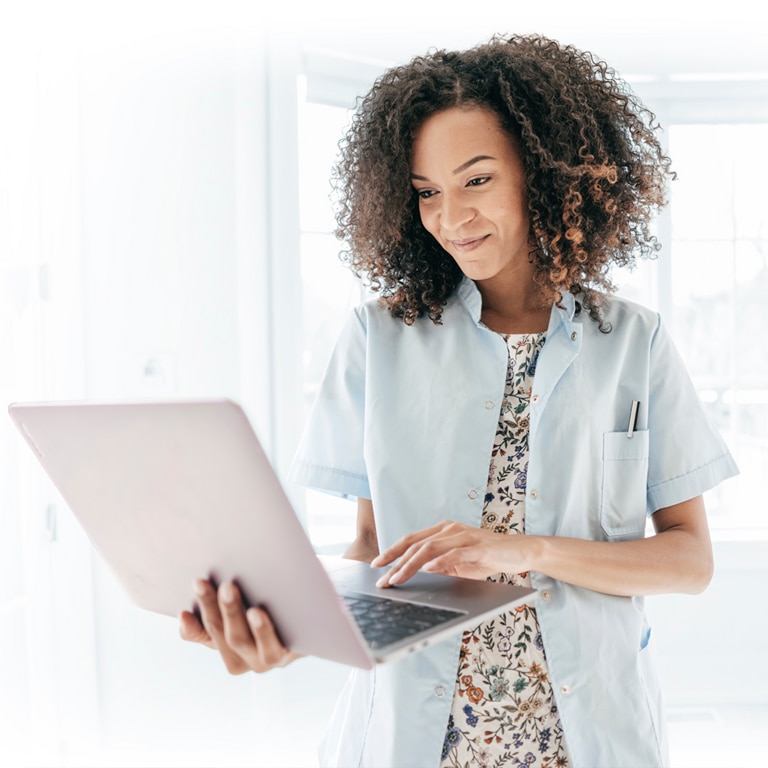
{"type": "Point", "coordinates": [429, 221]}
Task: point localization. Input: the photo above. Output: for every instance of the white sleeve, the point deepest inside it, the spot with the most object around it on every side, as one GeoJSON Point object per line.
{"type": "Point", "coordinates": [687, 454]}
{"type": "Point", "coordinates": [330, 453]}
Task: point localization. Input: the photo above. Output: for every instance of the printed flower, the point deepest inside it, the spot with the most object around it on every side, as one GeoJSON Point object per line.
{"type": "Point", "coordinates": [471, 716]}
{"type": "Point", "coordinates": [504, 644]}
{"type": "Point", "coordinates": [466, 679]}
{"type": "Point", "coordinates": [499, 689]}
{"type": "Point", "coordinates": [474, 694]}
{"type": "Point", "coordinates": [538, 642]}
{"type": "Point", "coordinates": [530, 758]}
{"type": "Point", "coordinates": [520, 685]}
{"type": "Point", "coordinates": [452, 739]}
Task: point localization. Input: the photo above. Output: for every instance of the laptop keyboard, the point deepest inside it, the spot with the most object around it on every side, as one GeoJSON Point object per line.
{"type": "Point", "coordinates": [383, 621]}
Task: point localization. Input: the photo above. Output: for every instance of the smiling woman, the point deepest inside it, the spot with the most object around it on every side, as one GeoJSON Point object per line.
{"type": "Point", "coordinates": [594, 175]}
{"type": "Point", "coordinates": [477, 210]}
{"type": "Point", "coordinates": [483, 194]}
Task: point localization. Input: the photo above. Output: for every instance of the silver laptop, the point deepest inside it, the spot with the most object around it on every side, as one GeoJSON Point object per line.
{"type": "Point", "coordinates": [169, 492]}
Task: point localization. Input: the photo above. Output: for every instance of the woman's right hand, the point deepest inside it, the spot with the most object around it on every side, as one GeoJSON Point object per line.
{"type": "Point", "coordinates": [246, 639]}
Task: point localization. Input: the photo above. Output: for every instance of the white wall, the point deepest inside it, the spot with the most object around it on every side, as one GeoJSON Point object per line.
{"type": "Point", "coordinates": [158, 194]}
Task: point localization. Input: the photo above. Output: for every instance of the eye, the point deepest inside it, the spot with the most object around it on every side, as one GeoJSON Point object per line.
{"type": "Point", "coordinates": [425, 194]}
{"type": "Point", "coordinates": [478, 181]}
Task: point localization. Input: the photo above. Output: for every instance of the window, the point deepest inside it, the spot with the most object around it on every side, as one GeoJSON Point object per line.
{"type": "Point", "coordinates": [718, 281]}
{"type": "Point", "coordinates": [329, 290]}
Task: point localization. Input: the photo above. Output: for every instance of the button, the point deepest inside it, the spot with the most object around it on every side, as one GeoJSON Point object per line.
{"type": "Point", "coordinates": [574, 336]}
{"type": "Point", "coordinates": [546, 595]}
{"type": "Point", "coordinates": [489, 405]}
{"type": "Point", "coordinates": [472, 493]}
{"type": "Point", "coordinates": [534, 494]}
{"type": "Point", "coordinates": [565, 690]}
{"type": "Point", "coordinates": [535, 399]}
{"type": "Point", "coordinates": [439, 691]}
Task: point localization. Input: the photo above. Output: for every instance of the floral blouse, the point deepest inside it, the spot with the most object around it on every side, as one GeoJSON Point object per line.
{"type": "Point", "coordinates": [504, 712]}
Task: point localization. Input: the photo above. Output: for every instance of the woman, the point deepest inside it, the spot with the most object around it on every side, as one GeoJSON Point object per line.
{"type": "Point", "coordinates": [499, 415]}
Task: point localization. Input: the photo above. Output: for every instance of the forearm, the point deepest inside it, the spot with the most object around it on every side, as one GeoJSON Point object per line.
{"type": "Point", "coordinates": [366, 544]}
{"type": "Point", "coordinates": [363, 550]}
{"type": "Point", "coordinates": [677, 559]}
{"type": "Point", "coordinates": [671, 561]}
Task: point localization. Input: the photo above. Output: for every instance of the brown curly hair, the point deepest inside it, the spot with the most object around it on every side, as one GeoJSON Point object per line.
{"type": "Point", "coordinates": [595, 170]}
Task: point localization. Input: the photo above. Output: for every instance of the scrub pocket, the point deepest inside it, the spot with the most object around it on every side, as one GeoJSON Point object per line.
{"type": "Point", "coordinates": [625, 481]}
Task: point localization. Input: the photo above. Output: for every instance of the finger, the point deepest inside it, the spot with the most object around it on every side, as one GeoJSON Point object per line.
{"type": "Point", "coordinates": [400, 547]}
{"type": "Point", "coordinates": [213, 623]}
{"type": "Point", "coordinates": [272, 652]}
{"type": "Point", "coordinates": [192, 630]}
{"type": "Point", "coordinates": [251, 635]}
{"type": "Point", "coordinates": [416, 557]}
{"type": "Point", "coordinates": [237, 632]}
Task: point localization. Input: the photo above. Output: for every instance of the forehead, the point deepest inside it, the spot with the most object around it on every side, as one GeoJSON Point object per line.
{"type": "Point", "coordinates": [459, 133]}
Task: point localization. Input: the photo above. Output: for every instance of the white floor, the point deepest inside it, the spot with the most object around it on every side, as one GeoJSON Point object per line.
{"type": "Point", "coordinates": [719, 737]}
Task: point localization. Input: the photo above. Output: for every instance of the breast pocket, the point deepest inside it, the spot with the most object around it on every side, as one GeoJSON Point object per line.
{"type": "Point", "coordinates": [625, 480]}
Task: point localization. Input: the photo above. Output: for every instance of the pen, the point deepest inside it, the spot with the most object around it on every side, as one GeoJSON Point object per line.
{"type": "Point", "coordinates": [633, 411]}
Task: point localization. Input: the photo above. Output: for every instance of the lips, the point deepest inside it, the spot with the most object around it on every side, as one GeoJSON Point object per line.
{"type": "Point", "coordinates": [466, 244]}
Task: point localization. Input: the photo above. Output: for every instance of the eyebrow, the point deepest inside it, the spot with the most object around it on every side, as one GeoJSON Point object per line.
{"type": "Point", "coordinates": [462, 167]}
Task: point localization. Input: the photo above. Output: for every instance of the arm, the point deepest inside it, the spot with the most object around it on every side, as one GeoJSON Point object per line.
{"type": "Point", "coordinates": [366, 544]}
{"type": "Point", "coordinates": [677, 559]}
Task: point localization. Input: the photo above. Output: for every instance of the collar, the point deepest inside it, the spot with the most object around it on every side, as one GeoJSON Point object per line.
{"type": "Point", "coordinates": [470, 297]}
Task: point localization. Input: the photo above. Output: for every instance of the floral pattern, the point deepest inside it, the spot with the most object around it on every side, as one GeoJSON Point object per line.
{"type": "Point", "coordinates": [504, 712]}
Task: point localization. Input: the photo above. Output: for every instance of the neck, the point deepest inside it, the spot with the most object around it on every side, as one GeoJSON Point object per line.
{"type": "Point", "coordinates": [513, 306]}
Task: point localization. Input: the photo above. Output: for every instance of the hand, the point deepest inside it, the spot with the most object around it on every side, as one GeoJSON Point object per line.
{"type": "Point", "coordinates": [246, 640]}
{"type": "Point", "coordinates": [454, 549]}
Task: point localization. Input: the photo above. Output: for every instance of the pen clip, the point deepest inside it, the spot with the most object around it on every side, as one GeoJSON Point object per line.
{"type": "Point", "coordinates": [633, 412]}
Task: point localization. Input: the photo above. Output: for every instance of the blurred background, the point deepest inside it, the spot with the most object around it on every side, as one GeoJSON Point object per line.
{"type": "Point", "coordinates": [166, 231]}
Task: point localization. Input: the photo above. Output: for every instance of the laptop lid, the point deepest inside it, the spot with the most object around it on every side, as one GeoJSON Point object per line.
{"type": "Point", "coordinates": [172, 491]}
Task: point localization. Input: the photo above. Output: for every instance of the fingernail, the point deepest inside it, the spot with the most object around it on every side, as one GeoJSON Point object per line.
{"type": "Point", "coordinates": [200, 587]}
{"type": "Point", "coordinates": [227, 593]}
{"type": "Point", "coordinates": [254, 618]}
{"type": "Point", "coordinates": [375, 561]}
{"type": "Point", "coordinates": [382, 582]}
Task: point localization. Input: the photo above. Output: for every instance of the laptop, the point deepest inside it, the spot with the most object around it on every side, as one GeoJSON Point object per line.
{"type": "Point", "coordinates": [169, 492]}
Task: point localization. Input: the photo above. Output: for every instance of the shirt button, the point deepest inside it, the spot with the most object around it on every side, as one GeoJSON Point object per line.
{"type": "Point", "coordinates": [489, 405]}
{"type": "Point", "coordinates": [565, 690]}
{"type": "Point", "coordinates": [574, 336]}
{"type": "Point", "coordinates": [535, 399]}
{"type": "Point", "coordinates": [439, 691]}
{"type": "Point", "coordinates": [472, 493]}
{"type": "Point", "coordinates": [534, 494]}
{"type": "Point", "coordinates": [545, 595]}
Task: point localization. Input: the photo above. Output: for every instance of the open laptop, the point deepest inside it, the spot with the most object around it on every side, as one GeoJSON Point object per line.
{"type": "Point", "coordinates": [169, 492]}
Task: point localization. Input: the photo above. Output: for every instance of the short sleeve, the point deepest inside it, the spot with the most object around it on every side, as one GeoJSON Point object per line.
{"type": "Point", "coordinates": [330, 453]}
{"type": "Point", "coordinates": [688, 456]}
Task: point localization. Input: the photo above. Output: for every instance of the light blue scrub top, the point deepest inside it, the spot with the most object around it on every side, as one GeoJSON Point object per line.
{"type": "Point", "coordinates": [407, 415]}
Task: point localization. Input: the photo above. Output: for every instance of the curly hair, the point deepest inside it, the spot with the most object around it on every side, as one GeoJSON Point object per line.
{"type": "Point", "coordinates": [595, 170]}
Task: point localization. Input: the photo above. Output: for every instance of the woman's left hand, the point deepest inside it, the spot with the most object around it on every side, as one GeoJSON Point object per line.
{"type": "Point", "coordinates": [454, 549]}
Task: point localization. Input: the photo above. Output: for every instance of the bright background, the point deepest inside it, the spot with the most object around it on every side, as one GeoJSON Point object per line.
{"type": "Point", "coordinates": [165, 230]}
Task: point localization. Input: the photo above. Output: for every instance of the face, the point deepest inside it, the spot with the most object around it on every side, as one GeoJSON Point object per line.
{"type": "Point", "coordinates": [470, 181]}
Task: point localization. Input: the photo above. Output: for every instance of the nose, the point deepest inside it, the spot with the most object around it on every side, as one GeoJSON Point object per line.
{"type": "Point", "coordinates": [455, 213]}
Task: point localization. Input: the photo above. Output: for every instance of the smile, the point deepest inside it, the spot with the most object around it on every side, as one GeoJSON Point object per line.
{"type": "Point", "coordinates": [468, 244]}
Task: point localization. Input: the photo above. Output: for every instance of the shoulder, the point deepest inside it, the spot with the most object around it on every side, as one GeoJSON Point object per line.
{"type": "Point", "coordinates": [374, 317]}
{"type": "Point", "coordinates": [628, 318]}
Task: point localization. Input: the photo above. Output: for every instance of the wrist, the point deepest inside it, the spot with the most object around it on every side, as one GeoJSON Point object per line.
{"type": "Point", "coordinates": [535, 554]}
